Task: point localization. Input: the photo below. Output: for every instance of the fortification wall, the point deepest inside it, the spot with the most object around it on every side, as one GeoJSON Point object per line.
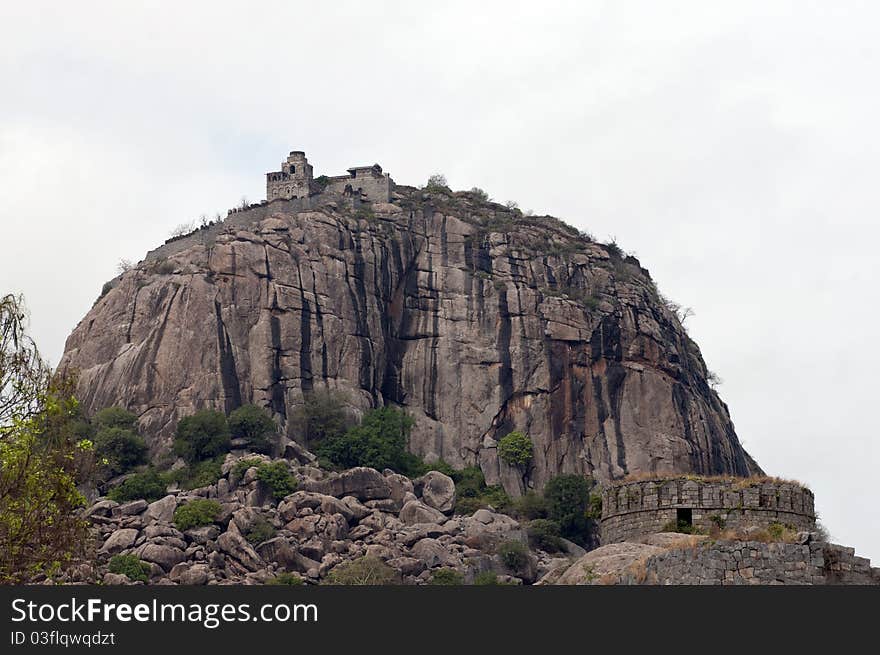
{"type": "Point", "coordinates": [646, 507]}
{"type": "Point", "coordinates": [752, 562]}
{"type": "Point", "coordinates": [235, 218]}
{"type": "Point", "coordinates": [376, 188]}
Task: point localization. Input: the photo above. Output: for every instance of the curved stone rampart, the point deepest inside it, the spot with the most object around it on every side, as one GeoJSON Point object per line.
{"type": "Point", "coordinates": [648, 506]}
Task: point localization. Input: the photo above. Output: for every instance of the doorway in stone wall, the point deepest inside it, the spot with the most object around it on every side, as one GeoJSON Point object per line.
{"type": "Point", "coordinates": [684, 518]}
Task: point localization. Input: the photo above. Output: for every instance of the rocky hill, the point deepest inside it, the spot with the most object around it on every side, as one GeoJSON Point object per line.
{"type": "Point", "coordinates": [475, 318]}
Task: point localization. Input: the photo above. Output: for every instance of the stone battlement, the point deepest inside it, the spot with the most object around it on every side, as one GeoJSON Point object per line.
{"type": "Point", "coordinates": [643, 507]}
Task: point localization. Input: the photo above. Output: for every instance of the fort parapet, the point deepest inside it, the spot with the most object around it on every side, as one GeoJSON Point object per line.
{"type": "Point", "coordinates": [631, 509]}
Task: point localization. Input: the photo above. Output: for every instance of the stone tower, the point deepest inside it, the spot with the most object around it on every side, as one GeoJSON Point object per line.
{"type": "Point", "coordinates": [294, 180]}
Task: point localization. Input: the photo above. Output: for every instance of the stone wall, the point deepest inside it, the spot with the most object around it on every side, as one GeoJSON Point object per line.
{"type": "Point", "coordinates": [753, 562]}
{"type": "Point", "coordinates": [370, 180]}
{"type": "Point", "coordinates": [235, 218]}
{"type": "Point", "coordinates": [645, 507]}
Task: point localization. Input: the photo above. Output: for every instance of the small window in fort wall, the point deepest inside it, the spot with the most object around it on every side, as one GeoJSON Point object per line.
{"type": "Point", "coordinates": [684, 516]}
{"type": "Point", "coordinates": [292, 170]}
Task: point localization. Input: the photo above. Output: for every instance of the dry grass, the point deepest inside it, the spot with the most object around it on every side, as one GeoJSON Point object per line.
{"type": "Point", "coordinates": [737, 482]}
{"type": "Point", "coordinates": [774, 533]}
{"type": "Point", "coordinates": [609, 579]}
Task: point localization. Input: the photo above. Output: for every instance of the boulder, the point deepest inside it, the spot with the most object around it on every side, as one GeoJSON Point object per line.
{"type": "Point", "coordinates": [486, 527]}
{"type": "Point", "coordinates": [331, 505]}
{"type": "Point", "coordinates": [433, 553]}
{"type": "Point", "coordinates": [606, 562]}
{"type": "Point", "coordinates": [437, 491]}
{"type": "Point", "coordinates": [290, 506]}
{"type": "Point", "coordinates": [233, 544]}
{"type": "Point", "coordinates": [115, 579]}
{"type": "Point", "coordinates": [361, 482]}
{"type": "Point", "coordinates": [358, 510]}
{"type": "Point", "coordinates": [202, 534]}
{"type": "Point", "coordinates": [294, 451]}
{"type": "Point", "coordinates": [164, 556]}
{"type": "Point", "coordinates": [158, 530]}
{"type": "Point", "coordinates": [131, 508]}
{"type": "Point", "coordinates": [407, 565]}
{"type": "Point", "coordinates": [281, 552]}
{"type": "Point", "coordinates": [163, 509]}
{"type": "Point", "coordinates": [187, 573]}
{"type": "Point", "coordinates": [102, 508]}
{"type": "Point", "coordinates": [417, 512]}
{"type": "Point", "coordinates": [119, 541]}
{"type": "Point", "coordinates": [400, 486]}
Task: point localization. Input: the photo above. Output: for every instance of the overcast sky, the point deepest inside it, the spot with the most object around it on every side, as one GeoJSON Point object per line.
{"type": "Point", "coordinates": [730, 145]}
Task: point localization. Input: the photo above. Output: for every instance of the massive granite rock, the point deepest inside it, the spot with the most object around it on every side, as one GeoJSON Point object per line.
{"type": "Point", "coordinates": [477, 319]}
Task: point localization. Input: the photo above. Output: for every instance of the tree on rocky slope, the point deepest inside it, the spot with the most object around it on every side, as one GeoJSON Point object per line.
{"type": "Point", "coordinates": [40, 454]}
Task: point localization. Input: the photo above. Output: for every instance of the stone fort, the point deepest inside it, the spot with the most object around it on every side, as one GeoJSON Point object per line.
{"type": "Point", "coordinates": [295, 180]}
{"type": "Point", "coordinates": [633, 509]}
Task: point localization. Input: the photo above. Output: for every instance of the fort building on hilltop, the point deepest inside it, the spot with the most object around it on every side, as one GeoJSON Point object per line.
{"type": "Point", "coordinates": [295, 180]}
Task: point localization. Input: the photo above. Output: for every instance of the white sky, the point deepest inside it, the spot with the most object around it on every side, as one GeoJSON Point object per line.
{"type": "Point", "coordinates": [731, 146]}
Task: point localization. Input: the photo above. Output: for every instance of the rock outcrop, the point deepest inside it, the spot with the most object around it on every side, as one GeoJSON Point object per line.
{"type": "Point", "coordinates": [307, 533]}
{"type": "Point", "coordinates": [676, 559]}
{"type": "Point", "coordinates": [477, 319]}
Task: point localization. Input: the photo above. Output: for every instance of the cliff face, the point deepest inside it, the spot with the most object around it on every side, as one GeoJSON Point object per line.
{"type": "Point", "coordinates": [476, 319]}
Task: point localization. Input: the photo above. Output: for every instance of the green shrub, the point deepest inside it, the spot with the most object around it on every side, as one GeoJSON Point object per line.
{"type": "Point", "coordinates": [437, 183]}
{"type": "Point", "coordinates": [196, 513]}
{"type": "Point", "coordinates": [254, 424]}
{"type": "Point", "coordinates": [115, 417]}
{"type": "Point", "coordinates": [130, 566]}
{"type": "Point", "coordinates": [277, 477]}
{"type": "Point", "coordinates": [365, 213]}
{"type": "Point", "coordinates": [122, 448]}
{"type": "Point", "coordinates": [467, 506]}
{"type": "Point", "coordinates": [321, 415]}
{"type": "Point", "coordinates": [200, 474]}
{"type": "Point", "coordinates": [241, 466]}
{"type": "Point", "coordinates": [261, 530]}
{"type": "Point", "coordinates": [204, 435]}
{"type": "Point", "coordinates": [778, 531]}
{"type": "Point", "coordinates": [568, 499]}
{"type": "Point", "coordinates": [486, 578]}
{"type": "Point", "coordinates": [479, 194]}
{"type": "Point", "coordinates": [594, 506]}
{"type": "Point", "coordinates": [718, 521]}
{"type": "Point", "coordinates": [163, 267]}
{"type": "Point", "coordinates": [514, 554]}
{"type": "Point", "coordinates": [473, 494]}
{"type": "Point", "coordinates": [440, 466]}
{"type": "Point", "coordinates": [447, 577]}
{"type": "Point", "coordinates": [363, 571]}
{"type": "Point", "coordinates": [378, 442]}
{"type": "Point", "coordinates": [469, 482]}
{"type": "Point", "coordinates": [531, 506]}
{"type": "Point", "coordinates": [287, 579]}
{"type": "Point", "coordinates": [515, 449]}
{"type": "Point", "coordinates": [204, 473]}
{"type": "Point", "coordinates": [679, 526]}
{"type": "Point", "coordinates": [545, 534]}
{"type": "Point", "coordinates": [148, 485]}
